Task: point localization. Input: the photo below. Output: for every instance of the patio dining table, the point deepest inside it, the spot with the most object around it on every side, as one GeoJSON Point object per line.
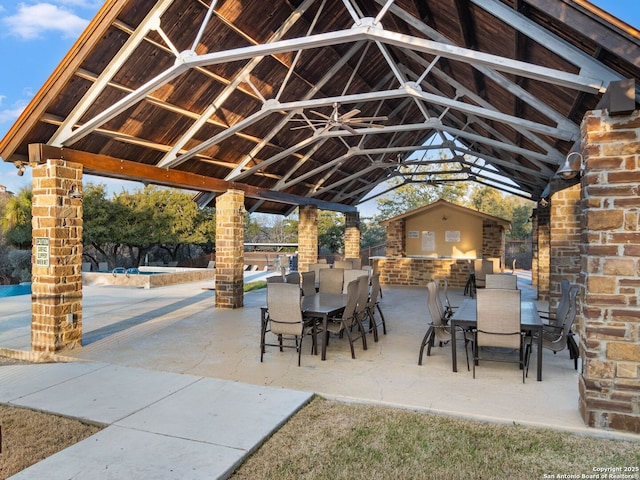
{"type": "Point", "coordinates": [465, 316]}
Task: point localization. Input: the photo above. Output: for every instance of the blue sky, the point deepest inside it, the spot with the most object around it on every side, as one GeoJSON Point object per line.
{"type": "Point", "coordinates": [35, 35]}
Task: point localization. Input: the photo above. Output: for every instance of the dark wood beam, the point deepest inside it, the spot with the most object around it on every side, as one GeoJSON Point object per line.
{"type": "Point", "coordinates": [106, 166]}
{"type": "Point", "coordinates": [468, 33]}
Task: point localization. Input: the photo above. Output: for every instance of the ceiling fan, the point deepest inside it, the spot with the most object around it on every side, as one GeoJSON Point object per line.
{"type": "Point", "coordinates": [347, 121]}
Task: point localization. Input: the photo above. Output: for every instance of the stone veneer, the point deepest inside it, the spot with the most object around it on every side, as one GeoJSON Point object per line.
{"type": "Point", "coordinates": [610, 336]}
{"type": "Point", "coordinates": [541, 249]}
{"type": "Point", "coordinates": [230, 249]}
{"type": "Point", "coordinates": [56, 298]}
{"type": "Point", "coordinates": [417, 272]}
{"type": "Point", "coordinates": [493, 240]}
{"type": "Point", "coordinates": [396, 238]}
{"type": "Point", "coordinates": [564, 239]}
{"type": "Point", "coordinates": [307, 237]}
{"type": "Point", "coordinates": [352, 235]}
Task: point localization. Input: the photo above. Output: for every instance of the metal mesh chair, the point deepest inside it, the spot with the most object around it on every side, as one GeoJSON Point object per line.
{"type": "Point", "coordinates": [284, 319]}
{"type": "Point", "coordinates": [331, 280]}
{"type": "Point", "coordinates": [498, 325]}
{"type": "Point", "coordinates": [344, 324]}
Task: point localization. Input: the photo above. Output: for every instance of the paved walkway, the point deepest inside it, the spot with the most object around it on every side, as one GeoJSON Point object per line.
{"type": "Point", "coordinates": [181, 386]}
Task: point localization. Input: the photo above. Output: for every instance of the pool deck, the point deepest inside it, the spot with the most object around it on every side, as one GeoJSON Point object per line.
{"type": "Point", "coordinates": [164, 366]}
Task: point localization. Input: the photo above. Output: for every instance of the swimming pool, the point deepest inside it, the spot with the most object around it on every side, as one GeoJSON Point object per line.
{"type": "Point", "coordinates": [14, 290]}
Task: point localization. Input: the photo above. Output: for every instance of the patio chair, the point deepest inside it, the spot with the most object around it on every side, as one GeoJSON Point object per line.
{"type": "Point", "coordinates": [308, 283]}
{"type": "Point", "coordinates": [293, 277]}
{"type": "Point", "coordinates": [285, 320]}
{"type": "Point", "coordinates": [344, 323]}
{"type": "Point", "coordinates": [438, 298]}
{"type": "Point", "coordinates": [373, 304]}
{"type": "Point", "coordinates": [482, 267]}
{"type": "Point", "coordinates": [344, 264]}
{"type": "Point", "coordinates": [563, 306]}
{"type": "Point", "coordinates": [355, 262]}
{"type": "Point", "coordinates": [501, 280]}
{"type": "Point", "coordinates": [437, 327]}
{"type": "Point", "coordinates": [498, 325]}
{"type": "Point", "coordinates": [331, 280]}
{"type": "Point", "coordinates": [353, 274]}
{"type": "Point", "coordinates": [448, 308]}
{"type": "Point", "coordinates": [362, 309]}
{"type": "Point", "coordinates": [275, 279]}
{"type": "Point", "coordinates": [558, 337]}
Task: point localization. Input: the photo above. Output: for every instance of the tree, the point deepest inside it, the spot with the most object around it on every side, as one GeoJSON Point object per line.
{"type": "Point", "coordinates": [330, 231]}
{"type": "Point", "coordinates": [411, 194]}
{"type": "Point", "coordinates": [16, 221]}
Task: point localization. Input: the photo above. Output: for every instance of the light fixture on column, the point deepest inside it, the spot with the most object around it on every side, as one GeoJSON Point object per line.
{"type": "Point", "coordinates": [567, 170]}
{"type": "Point", "coordinates": [20, 167]}
{"type": "Point", "coordinates": [75, 193]}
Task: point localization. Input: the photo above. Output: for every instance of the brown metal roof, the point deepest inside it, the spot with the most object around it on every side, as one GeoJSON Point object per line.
{"type": "Point", "coordinates": [193, 96]}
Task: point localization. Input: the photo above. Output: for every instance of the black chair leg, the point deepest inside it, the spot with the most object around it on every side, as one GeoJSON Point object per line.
{"type": "Point", "coordinates": [425, 340]}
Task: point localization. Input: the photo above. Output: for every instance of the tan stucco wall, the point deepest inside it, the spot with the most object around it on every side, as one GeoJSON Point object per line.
{"type": "Point", "coordinates": [468, 224]}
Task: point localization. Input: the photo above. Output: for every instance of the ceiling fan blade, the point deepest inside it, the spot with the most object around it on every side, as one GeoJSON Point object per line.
{"type": "Point", "coordinates": [348, 129]}
{"type": "Point", "coordinates": [320, 114]}
{"type": "Point", "coordinates": [368, 119]}
{"type": "Point", "coordinates": [365, 125]}
{"type": "Point", "coordinates": [325, 129]}
{"type": "Point", "coordinates": [349, 114]}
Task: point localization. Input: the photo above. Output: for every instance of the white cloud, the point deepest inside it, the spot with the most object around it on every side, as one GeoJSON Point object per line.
{"type": "Point", "coordinates": [31, 21]}
{"type": "Point", "coordinates": [11, 113]}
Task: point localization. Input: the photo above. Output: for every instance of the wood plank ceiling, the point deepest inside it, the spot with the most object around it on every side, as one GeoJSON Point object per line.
{"type": "Point", "coordinates": [322, 100]}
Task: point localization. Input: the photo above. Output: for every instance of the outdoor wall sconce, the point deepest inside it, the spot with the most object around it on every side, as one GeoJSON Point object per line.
{"type": "Point", "coordinates": [20, 167]}
{"type": "Point", "coordinates": [543, 203]}
{"type": "Point", "coordinates": [444, 218]}
{"type": "Point", "coordinates": [241, 210]}
{"type": "Point", "coordinates": [75, 193]}
{"type": "Point", "coordinates": [567, 171]}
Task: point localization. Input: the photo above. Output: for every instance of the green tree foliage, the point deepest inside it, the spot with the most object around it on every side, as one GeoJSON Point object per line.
{"type": "Point", "coordinates": [330, 232]}
{"type": "Point", "coordinates": [16, 220]}
{"type": "Point", "coordinates": [409, 195]}
{"type": "Point", "coordinates": [510, 207]}
{"type": "Point", "coordinates": [371, 232]}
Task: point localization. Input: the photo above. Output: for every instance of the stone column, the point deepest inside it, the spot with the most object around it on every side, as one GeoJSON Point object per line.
{"type": "Point", "coordinates": [352, 235]}
{"type": "Point", "coordinates": [396, 239]}
{"type": "Point", "coordinates": [56, 299]}
{"type": "Point", "coordinates": [230, 249]}
{"type": "Point", "coordinates": [307, 237]}
{"type": "Point", "coordinates": [610, 334]}
{"type": "Point", "coordinates": [565, 238]}
{"type": "Point", "coordinates": [541, 252]}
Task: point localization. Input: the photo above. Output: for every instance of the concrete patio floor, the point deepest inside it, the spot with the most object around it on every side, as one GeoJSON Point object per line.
{"type": "Point", "coordinates": [177, 329]}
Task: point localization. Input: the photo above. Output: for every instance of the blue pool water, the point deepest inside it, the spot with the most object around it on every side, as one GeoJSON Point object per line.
{"type": "Point", "coordinates": [13, 290]}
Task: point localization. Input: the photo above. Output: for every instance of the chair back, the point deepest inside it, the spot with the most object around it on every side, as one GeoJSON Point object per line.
{"type": "Point", "coordinates": [344, 264]}
{"type": "Point", "coordinates": [563, 306]}
{"type": "Point", "coordinates": [437, 318]}
{"type": "Point", "coordinates": [284, 306]}
{"type": "Point", "coordinates": [501, 280]}
{"type": "Point", "coordinates": [349, 312]}
{"type": "Point", "coordinates": [498, 318]}
{"type": "Point", "coordinates": [438, 300]}
{"type": "Point", "coordinates": [275, 279]}
{"type": "Point", "coordinates": [293, 277]}
{"type": "Point", "coordinates": [355, 262]}
{"type": "Point", "coordinates": [482, 267]}
{"type": "Point", "coordinates": [308, 283]}
{"type": "Point", "coordinates": [331, 280]}
{"type": "Point", "coordinates": [363, 297]}
{"type": "Point", "coordinates": [352, 275]}
{"type": "Point", "coordinates": [316, 267]}
{"type": "Point", "coordinates": [497, 264]}
{"type": "Point", "coordinates": [375, 290]}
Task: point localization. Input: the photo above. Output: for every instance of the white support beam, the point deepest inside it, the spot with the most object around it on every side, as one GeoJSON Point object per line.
{"type": "Point", "coordinates": [588, 65]}
{"type": "Point", "coordinates": [151, 21]}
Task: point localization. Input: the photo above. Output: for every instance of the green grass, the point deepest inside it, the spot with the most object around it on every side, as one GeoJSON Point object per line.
{"type": "Point", "coordinates": [254, 285]}
{"type": "Point", "coordinates": [333, 440]}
